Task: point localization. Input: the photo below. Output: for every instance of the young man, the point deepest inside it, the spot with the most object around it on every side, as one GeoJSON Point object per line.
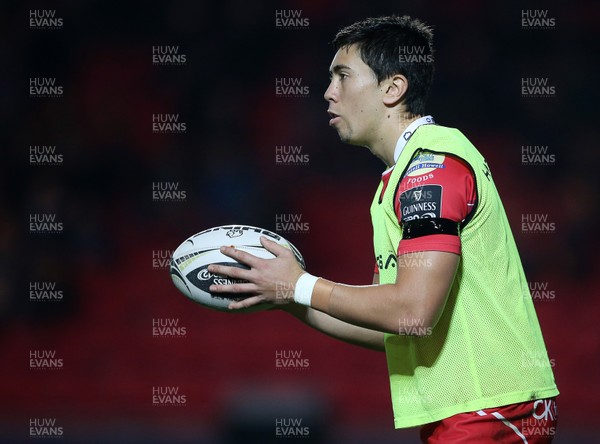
{"type": "Point", "coordinates": [449, 304]}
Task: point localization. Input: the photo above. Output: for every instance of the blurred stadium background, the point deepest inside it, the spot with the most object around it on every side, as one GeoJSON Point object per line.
{"type": "Point", "coordinates": [101, 191]}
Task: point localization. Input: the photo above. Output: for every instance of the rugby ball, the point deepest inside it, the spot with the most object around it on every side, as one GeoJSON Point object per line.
{"type": "Point", "coordinates": [190, 261]}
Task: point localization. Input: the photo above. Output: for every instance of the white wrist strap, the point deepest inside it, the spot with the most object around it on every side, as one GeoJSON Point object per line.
{"type": "Point", "coordinates": [304, 288]}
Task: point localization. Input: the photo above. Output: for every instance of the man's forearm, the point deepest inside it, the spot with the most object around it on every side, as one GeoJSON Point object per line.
{"type": "Point", "coordinates": [419, 295]}
{"type": "Point", "coordinates": [335, 328]}
{"type": "Point", "coordinates": [376, 307]}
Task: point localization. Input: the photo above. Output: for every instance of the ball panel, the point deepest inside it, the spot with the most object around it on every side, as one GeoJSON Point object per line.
{"type": "Point", "coordinates": [179, 282]}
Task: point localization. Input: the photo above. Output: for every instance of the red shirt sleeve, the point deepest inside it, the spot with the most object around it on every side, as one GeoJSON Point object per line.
{"type": "Point", "coordinates": [435, 186]}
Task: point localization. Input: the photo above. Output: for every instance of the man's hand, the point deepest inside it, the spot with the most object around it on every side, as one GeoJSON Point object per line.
{"type": "Point", "coordinates": [270, 280]}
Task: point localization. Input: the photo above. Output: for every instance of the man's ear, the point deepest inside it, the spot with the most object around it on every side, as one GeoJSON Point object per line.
{"type": "Point", "coordinates": [395, 89]}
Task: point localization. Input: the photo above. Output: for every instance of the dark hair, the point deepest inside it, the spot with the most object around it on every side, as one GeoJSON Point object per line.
{"type": "Point", "coordinates": [382, 42]}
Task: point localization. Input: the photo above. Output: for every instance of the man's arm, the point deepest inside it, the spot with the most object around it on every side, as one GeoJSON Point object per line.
{"type": "Point", "coordinates": [419, 293]}
{"type": "Point", "coordinates": [352, 334]}
{"type": "Point", "coordinates": [337, 329]}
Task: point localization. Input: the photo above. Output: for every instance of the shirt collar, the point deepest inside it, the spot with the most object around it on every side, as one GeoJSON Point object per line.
{"type": "Point", "coordinates": [407, 134]}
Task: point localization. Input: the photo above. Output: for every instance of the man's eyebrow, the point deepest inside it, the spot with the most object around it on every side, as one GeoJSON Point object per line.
{"type": "Point", "coordinates": [338, 68]}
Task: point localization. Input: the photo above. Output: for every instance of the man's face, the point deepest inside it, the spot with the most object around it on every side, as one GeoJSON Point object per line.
{"type": "Point", "coordinates": [354, 97]}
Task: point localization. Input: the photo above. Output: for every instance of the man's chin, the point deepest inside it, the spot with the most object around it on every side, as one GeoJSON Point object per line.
{"type": "Point", "coordinates": [345, 137]}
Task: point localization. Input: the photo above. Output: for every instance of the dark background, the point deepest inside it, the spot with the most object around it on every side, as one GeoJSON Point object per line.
{"type": "Point", "coordinates": [226, 163]}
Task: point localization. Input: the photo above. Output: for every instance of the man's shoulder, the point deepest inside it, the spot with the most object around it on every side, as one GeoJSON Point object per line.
{"type": "Point", "coordinates": [444, 139]}
{"type": "Point", "coordinates": [437, 132]}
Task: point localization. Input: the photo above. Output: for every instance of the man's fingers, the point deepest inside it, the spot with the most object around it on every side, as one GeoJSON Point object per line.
{"type": "Point", "coordinates": [247, 287]}
{"type": "Point", "coordinates": [251, 282]}
{"type": "Point", "coordinates": [232, 272]}
{"type": "Point", "coordinates": [240, 256]}
{"type": "Point", "coordinates": [245, 303]}
{"type": "Point", "coordinates": [272, 246]}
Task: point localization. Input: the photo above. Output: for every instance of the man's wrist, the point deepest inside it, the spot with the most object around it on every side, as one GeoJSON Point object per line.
{"type": "Point", "coordinates": [312, 291]}
{"type": "Point", "coordinates": [322, 294]}
{"type": "Point", "coordinates": [303, 289]}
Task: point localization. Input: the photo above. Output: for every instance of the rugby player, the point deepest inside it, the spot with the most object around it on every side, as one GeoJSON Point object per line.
{"type": "Point", "coordinates": [449, 305]}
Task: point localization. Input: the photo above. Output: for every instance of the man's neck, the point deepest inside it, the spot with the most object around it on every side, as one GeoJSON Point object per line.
{"type": "Point", "coordinates": [383, 147]}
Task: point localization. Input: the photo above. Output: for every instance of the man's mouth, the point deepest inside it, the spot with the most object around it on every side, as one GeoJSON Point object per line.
{"type": "Point", "coordinates": [334, 118]}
